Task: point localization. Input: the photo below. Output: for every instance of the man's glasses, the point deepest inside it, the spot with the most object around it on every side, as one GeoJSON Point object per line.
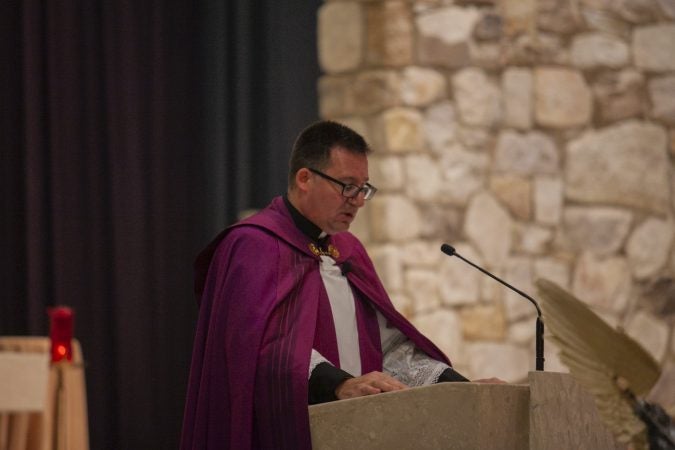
{"type": "Point", "coordinates": [349, 190]}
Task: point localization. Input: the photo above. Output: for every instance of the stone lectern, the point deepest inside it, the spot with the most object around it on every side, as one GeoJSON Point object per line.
{"type": "Point", "coordinates": [550, 412]}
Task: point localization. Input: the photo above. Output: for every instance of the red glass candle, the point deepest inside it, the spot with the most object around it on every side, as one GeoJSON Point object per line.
{"type": "Point", "coordinates": [61, 333]}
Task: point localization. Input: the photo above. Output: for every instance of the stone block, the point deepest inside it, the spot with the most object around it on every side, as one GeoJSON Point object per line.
{"type": "Point", "coordinates": [649, 246]}
{"type": "Point", "coordinates": [531, 153]}
{"type": "Point", "coordinates": [375, 90]}
{"type": "Point", "coordinates": [443, 36]}
{"type": "Point", "coordinates": [533, 239]}
{"type": "Point", "coordinates": [518, 271]}
{"type": "Point", "coordinates": [423, 178]}
{"type": "Point", "coordinates": [599, 230]}
{"type": "Point", "coordinates": [340, 36]}
{"type": "Point", "coordinates": [422, 254]}
{"type": "Point", "coordinates": [548, 200]}
{"type": "Point", "coordinates": [654, 47]}
{"type": "Point", "coordinates": [602, 283]}
{"type": "Point", "coordinates": [336, 97]}
{"type": "Point", "coordinates": [517, 97]}
{"type": "Point", "coordinates": [667, 8]}
{"type": "Point", "coordinates": [421, 86]}
{"type": "Point", "coordinates": [402, 303]}
{"type": "Point", "coordinates": [562, 98]}
{"type": "Point", "coordinates": [359, 125]}
{"type": "Point", "coordinates": [506, 361]}
{"type": "Point", "coordinates": [421, 286]}
{"type": "Point", "coordinates": [386, 173]}
{"type": "Point", "coordinates": [421, 6]}
{"type": "Point", "coordinates": [440, 220]}
{"type": "Point", "coordinates": [490, 228]}
{"type": "Point", "coordinates": [535, 49]}
{"type": "Point", "coordinates": [522, 333]}
{"type": "Point", "coordinates": [552, 269]}
{"type": "Point", "coordinates": [393, 218]}
{"type": "Point", "coordinates": [360, 227]}
{"type": "Point", "coordinates": [519, 16]}
{"type": "Point", "coordinates": [474, 138]}
{"type": "Point", "coordinates": [595, 50]}
{"type": "Point", "coordinates": [599, 19]}
{"type": "Point", "coordinates": [624, 164]}
{"type": "Point", "coordinates": [444, 329]}
{"type": "Point", "coordinates": [400, 130]}
{"type": "Point", "coordinates": [462, 174]}
{"type": "Point", "coordinates": [390, 33]}
{"type": "Point", "coordinates": [656, 295]}
{"type": "Point", "coordinates": [662, 94]}
{"type": "Point", "coordinates": [636, 11]}
{"type": "Point", "coordinates": [515, 192]}
{"type": "Point", "coordinates": [620, 95]}
{"type": "Point", "coordinates": [486, 55]}
{"type": "Point", "coordinates": [489, 27]}
{"type": "Point", "coordinates": [491, 291]}
{"type": "Point", "coordinates": [459, 282]}
{"type": "Point", "coordinates": [387, 261]}
{"type": "Point", "coordinates": [440, 122]}
{"type": "Point", "coordinates": [478, 98]}
{"type": "Point", "coordinates": [483, 322]}
{"type": "Point", "coordinates": [557, 16]}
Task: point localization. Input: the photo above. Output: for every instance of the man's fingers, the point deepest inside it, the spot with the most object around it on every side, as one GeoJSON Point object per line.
{"type": "Point", "coordinates": [367, 389]}
{"type": "Point", "coordinates": [383, 382]}
{"type": "Point", "coordinates": [389, 385]}
{"type": "Point", "coordinates": [355, 388]}
{"type": "Point", "coordinates": [369, 384]}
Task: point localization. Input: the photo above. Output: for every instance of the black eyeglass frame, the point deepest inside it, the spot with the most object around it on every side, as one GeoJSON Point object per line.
{"type": "Point", "coordinates": [368, 189]}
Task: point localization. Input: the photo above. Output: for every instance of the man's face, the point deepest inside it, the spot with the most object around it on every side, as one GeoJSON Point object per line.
{"type": "Point", "coordinates": [326, 206]}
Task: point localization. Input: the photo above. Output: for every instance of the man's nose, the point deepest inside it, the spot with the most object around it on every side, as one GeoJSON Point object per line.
{"type": "Point", "coordinates": [359, 200]}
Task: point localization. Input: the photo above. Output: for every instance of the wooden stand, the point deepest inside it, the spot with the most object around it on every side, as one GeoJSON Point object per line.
{"type": "Point", "coordinates": [53, 413]}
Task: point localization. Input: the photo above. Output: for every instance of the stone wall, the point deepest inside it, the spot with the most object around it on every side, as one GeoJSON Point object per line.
{"type": "Point", "coordinates": [537, 137]}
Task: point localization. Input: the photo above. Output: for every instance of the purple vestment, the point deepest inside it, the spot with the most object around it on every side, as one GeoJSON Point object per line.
{"type": "Point", "coordinates": [263, 307]}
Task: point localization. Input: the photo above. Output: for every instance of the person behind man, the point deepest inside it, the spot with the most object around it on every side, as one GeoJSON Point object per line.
{"type": "Point", "coordinates": [292, 312]}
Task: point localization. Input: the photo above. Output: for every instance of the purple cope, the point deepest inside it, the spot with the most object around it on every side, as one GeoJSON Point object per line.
{"type": "Point", "coordinates": [262, 308]}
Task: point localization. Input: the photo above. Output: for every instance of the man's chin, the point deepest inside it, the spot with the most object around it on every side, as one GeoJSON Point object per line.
{"type": "Point", "coordinates": [339, 227]}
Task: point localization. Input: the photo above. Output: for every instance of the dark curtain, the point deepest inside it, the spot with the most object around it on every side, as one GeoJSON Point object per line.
{"type": "Point", "coordinates": [261, 72]}
{"type": "Point", "coordinates": [130, 133]}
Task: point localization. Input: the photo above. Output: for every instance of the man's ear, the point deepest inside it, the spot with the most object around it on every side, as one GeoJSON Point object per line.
{"type": "Point", "coordinates": [302, 178]}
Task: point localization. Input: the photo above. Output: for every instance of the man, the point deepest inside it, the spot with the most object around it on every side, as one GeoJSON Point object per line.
{"type": "Point", "coordinates": [293, 313]}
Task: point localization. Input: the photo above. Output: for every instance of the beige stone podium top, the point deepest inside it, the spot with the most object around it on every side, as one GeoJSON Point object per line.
{"type": "Point", "coordinates": [551, 412]}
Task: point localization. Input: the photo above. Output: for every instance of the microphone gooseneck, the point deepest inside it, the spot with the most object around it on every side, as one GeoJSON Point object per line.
{"type": "Point", "coordinates": [539, 335]}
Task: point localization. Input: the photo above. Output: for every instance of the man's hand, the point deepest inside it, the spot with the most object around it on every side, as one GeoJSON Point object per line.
{"type": "Point", "coordinates": [368, 384]}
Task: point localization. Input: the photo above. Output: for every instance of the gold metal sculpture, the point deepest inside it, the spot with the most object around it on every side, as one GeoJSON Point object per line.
{"type": "Point", "coordinates": [607, 362]}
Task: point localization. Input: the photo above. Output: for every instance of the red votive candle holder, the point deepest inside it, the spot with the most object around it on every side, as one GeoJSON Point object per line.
{"type": "Point", "coordinates": [61, 333]}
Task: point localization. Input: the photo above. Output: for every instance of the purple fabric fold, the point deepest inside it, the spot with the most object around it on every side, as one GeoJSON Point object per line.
{"type": "Point", "coordinates": [262, 310]}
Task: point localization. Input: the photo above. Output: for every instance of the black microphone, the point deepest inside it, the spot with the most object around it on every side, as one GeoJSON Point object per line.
{"type": "Point", "coordinates": [539, 335]}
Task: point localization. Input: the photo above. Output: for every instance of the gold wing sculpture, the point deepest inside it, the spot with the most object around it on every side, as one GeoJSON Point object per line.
{"type": "Point", "coordinates": [607, 362]}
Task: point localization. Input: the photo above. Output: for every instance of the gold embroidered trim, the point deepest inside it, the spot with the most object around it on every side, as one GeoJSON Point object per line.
{"type": "Point", "coordinates": [332, 251]}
